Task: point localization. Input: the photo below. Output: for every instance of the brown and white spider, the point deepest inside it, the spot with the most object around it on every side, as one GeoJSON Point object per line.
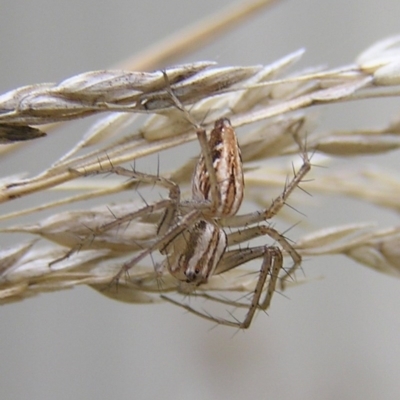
{"type": "Point", "coordinates": [191, 234]}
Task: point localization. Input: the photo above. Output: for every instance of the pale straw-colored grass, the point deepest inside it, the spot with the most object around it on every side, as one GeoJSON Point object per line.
{"type": "Point", "coordinates": [263, 104]}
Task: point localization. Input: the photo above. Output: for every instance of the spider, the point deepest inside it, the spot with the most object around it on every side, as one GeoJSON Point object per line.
{"type": "Point", "coordinates": [191, 234]}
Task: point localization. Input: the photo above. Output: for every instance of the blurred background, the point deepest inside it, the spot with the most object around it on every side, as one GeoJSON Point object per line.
{"type": "Point", "coordinates": [332, 338]}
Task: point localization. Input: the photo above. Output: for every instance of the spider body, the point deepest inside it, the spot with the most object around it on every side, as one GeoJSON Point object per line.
{"type": "Point", "coordinates": [191, 234]}
{"type": "Point", "coordinates": [227, 166]}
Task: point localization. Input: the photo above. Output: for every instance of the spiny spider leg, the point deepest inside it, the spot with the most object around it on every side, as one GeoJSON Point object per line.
{"type": "Point", "coordinates": [169, 205]}
{"type": "Point", "coordinates": [174, 192]}
{"type": "Point", "coordinates": [253, 232]}
{"type": "Point", "coordinates": [151, 208]}
{"type": "Point", "coordinates": [250, 233]}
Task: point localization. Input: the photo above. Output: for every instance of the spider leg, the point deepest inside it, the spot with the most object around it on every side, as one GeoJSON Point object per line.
{"type": "Point", "coordinates": [173, 189]}
{"type": "Point", "coordinates": [118, 221]}
{"type": "Point", "coordinates": [169, 205]}
{"type": "Point", "coordinates": [250, 233]}
{"type": "Point", "coordinates": [271, 265]}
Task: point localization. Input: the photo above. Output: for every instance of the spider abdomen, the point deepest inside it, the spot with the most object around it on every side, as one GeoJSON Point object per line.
{"type": "Point", "coordinates": [227, 164]}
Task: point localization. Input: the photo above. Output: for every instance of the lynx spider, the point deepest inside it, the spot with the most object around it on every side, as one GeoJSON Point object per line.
{"type": "Point", "coordinates": [191, 233]}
